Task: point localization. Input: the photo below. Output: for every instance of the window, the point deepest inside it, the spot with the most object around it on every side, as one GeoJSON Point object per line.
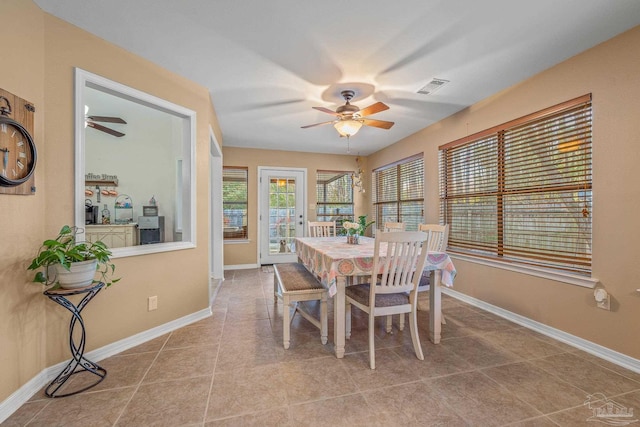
{"type": "Point", "coordinates": [521, 192]}
{"type": "Point", "coordinates": [334, 197]}
{"type": "Point", "coordinates": [164, 134]}
{"type": "Point", "coordinates": [234, 202]}
{"type": "Point", "coordinates": [398, 193]}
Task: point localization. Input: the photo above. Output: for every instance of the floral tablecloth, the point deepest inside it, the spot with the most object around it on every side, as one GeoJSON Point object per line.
{"type": "Point", "coordinates": [330, 257]}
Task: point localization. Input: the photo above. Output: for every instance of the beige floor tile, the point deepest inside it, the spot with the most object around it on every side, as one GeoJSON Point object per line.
{"type": "Point", "coordinates": [168, 403]}
{"type": "Point", "coordinates": [155, 344]}
{"type": "Point", "coordinates": [534, 422]}
{"type": "Point", "coordinates": [272, 418]}
{"type": "Point", "coordinates": [521, 344]}
{"type": "Point", "coordinates": [245, 330]}
{"type": "Point", "coordinates": [479, 352]}
{"type": "Point", "coordinates": [530, 384]}
{"type": "Point", "coordinates": [101, 408]}
{"type": "Point", "coordinates": [390, 370]}
{"type": "Point", "coordinates": [316, 379]}
{"type": "Point", "coordinates": [585, 375]}
{"type": "Point", "coordinates": [249, 353]}
{"type": "Point", "coordinates": [414, 404]}
{"type": "Point", "coordinates": [606, 364]}
{"type": "Point", "coordinates": [245, 391]}
{"type": "Point", "coordinates": [25, 413]}
{"type": "Point", "coordinates": [438, 360]}
{"type": "Point", "coordinates": [588, 414]}
{"type": "Point", "coordinates": [480, 400]}
{"type": "Point", "coordinates": [173, 364]}
{"type": "Point", "coordinates": [350, 410]}
{"type": "Point", "coordinates": [303, 346]}
{"type": "Point", "coordinates": [195, 336]}
{"type": "Point", "coordinates": [122, 371]}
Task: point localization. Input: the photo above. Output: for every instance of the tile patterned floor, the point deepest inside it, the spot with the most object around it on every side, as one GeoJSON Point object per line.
{"type": "Point", "coordinates": [231, 370]}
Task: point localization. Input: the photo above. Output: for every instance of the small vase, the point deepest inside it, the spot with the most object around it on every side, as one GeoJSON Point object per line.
{"type": "Point", "coordinates": [353, 239]}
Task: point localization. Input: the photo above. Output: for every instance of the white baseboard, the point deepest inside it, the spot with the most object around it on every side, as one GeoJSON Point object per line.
{"type": "Point", "coordinates": [24, 393]}
{"type": "Point", "coordinates": [241, 267]}
{"type": "Point", "coordinates": [572, 340]}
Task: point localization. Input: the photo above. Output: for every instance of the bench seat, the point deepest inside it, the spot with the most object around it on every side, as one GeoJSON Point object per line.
{"type": "Point", "coordinates": [293, 283]}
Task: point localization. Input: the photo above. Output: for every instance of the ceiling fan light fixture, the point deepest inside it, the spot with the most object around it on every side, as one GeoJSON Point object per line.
{"type": "Point", "coordinates": [348, 127]}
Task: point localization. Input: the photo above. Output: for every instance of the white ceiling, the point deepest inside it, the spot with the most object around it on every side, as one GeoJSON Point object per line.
{"type": "Point", "coordinates": [266, 63]}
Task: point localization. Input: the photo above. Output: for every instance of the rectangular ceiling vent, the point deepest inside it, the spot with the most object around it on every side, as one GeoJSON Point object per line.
{"type": "Point", "coordinates": [433, 86]}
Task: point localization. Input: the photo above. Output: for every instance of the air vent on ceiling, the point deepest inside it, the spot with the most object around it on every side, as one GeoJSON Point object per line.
{"type": "Point", "coordinates": [433, 86]}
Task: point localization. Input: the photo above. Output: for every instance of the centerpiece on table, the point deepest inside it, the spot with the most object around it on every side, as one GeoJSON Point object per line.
{"type": "Point", "coordinates": [356, 229]}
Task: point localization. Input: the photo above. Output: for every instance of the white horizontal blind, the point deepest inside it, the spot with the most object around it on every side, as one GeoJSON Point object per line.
{"type": "Point", "coordinates": [522, 192]}
{"type": "Point", "coordinates": [398, 193]}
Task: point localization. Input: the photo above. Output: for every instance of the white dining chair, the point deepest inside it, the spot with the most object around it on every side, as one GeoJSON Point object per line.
{"type": "Point", "coordinates": [321, 228]}
{"type": "Point", "coordinates": [437, 243]}
{"type": "Point", "coordinates": [393, 285]}
{"type": "Point", "coordinates": [393, 226]}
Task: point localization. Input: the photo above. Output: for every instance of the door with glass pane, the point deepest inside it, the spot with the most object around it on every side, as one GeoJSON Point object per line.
{"type": "Point", "coordinates": [282, 215]}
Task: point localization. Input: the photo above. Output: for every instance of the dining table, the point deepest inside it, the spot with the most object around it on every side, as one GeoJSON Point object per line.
{"type": "Point", "coordinates": [338, 263]}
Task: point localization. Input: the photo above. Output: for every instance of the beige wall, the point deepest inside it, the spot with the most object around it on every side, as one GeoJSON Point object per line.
{"type": "Point", "coordinates": [33, 330]}
{"type": "Point", "coordinates": [611, 72]}
{"type": "Point", "coordinates": [247, 253]}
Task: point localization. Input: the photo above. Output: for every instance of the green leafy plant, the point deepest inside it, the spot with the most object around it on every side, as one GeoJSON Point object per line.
{"type": "Point", "coordinates": [65, 250]}
{"type": "Point", "coordinates": [359, 227]}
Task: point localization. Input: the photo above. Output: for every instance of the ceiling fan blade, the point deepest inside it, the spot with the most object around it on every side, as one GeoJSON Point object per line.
{"type": "Point", "coordinates": [317, 124]}
{"type": "Point", "coordinates": [105, 129]}
{"type": "Point", "coordinates": [326, 110]}
{"type": "Point", "coordinates": [377, 123]}
{"type": "Point", "coordinates": [372, 109]}
{"type": "Point", "coordinates": [107, 119]}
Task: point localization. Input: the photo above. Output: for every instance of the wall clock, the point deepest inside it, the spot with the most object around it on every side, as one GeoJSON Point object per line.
{"type": "Point", "coordinates": [18, 153]}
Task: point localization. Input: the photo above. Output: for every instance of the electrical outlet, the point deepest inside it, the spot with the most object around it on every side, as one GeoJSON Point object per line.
{"type": "Point", "coordinates": [153, 303]}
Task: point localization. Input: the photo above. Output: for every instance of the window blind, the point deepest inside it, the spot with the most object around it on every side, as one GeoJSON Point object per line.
{"type": "Point", "coordinates": [398, 193]}
{"type": "Point", "coordinates": [522, 192]}
{"type": "Point", "coordinates": [334, 196]}
{"type": "Point", "coordinates": [234, 202]}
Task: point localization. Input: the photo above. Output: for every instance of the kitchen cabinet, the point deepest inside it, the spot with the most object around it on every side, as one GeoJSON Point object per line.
{"type": "Point", "coordinates": [112, 235]}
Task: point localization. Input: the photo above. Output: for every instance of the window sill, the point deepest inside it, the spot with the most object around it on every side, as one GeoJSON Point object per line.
{"type": "Point", "coordinates": [545, 273]}
{"type": "Point", "coordinates": [236, 241]}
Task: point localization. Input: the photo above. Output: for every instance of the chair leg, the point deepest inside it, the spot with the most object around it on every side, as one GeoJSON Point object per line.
{"type": "Point", "coordinates": [443, 321]}
{"type": "Point", "coordinates": [286, 322]}
{"type": "Point", "coordinates": [323, 319]}
{"type": "Point", "coordinates": [389, 323]}
{"type": "Point", "coordinates": [347, 321]}
{"type": "Point", "coordinates": [413, 326]}
{"type": "Point", "coordinates": [401, 323]}
{"type": "Point", "coordinates": [372, 347]}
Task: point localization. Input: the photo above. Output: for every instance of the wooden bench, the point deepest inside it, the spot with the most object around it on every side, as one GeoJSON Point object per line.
{"type": "Point", "coordinates": [293, 283]}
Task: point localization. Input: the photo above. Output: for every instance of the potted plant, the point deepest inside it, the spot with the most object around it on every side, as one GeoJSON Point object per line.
{"type": "Point", "coordinates": [72, 264]}
{"type": "Point", "coordinates": [356, 229]}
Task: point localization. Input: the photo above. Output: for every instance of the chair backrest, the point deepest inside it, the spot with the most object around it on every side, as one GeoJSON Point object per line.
{"type": "Point", "coordinates": [439, 236]}
{"type": "Point", "coordinates": [322, 228]}
{"type": "Point", "coordinates": [398, 262]}
{"type": "Point", "coordinates": [393, 226]}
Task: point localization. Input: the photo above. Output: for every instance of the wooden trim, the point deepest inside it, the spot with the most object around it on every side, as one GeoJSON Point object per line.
{"type": "Point", "coordinates": [516, 122]}
{"type": "Point", "coordinates": [399, 162]}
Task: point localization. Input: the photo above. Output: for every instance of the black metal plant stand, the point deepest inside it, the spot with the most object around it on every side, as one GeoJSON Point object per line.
{"type": "Point", "coordinates": [78, 362]}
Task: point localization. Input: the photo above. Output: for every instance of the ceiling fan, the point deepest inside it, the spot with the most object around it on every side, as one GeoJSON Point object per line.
{"type": "Point", "coordinates": [90, 122]}
{"type": "Point", "coordinates": [349, 118]}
